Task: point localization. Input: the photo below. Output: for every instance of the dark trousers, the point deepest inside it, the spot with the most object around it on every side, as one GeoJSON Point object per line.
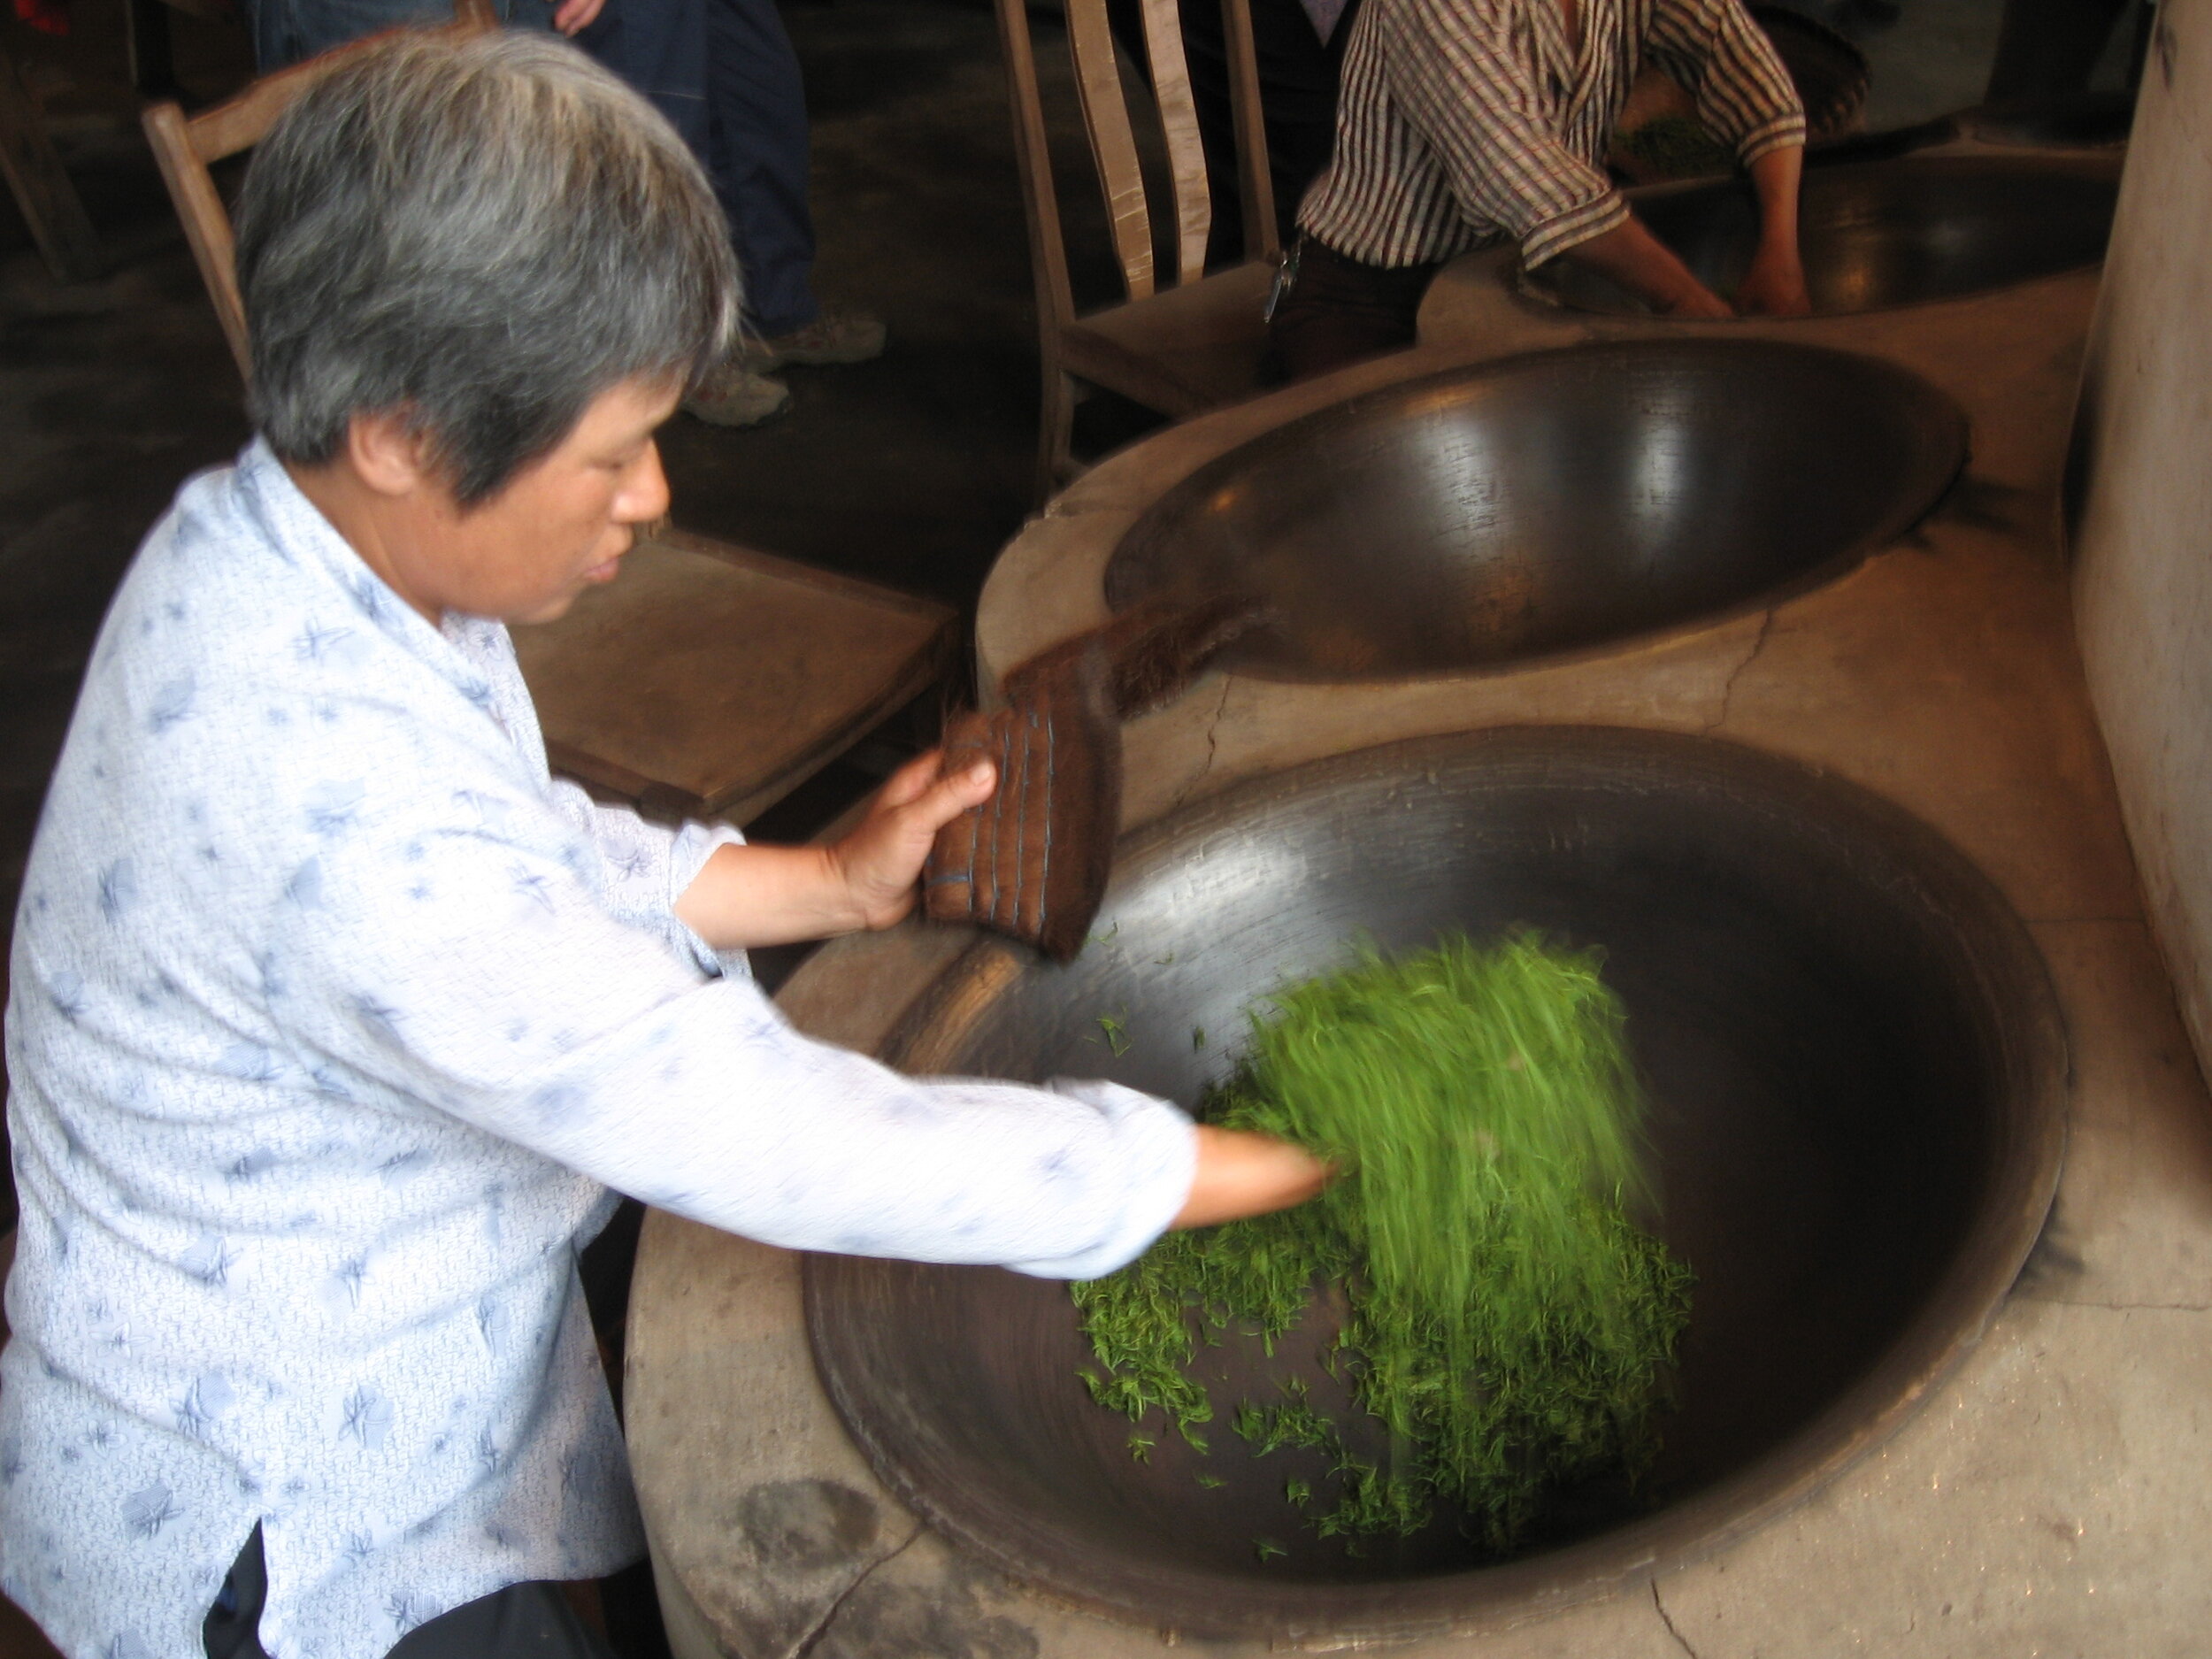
{"type": "Point", "coordinates": [285, 31]}
{"type": "Point", "coordinates": [1337, 311]}
{"type": "Point", "coordinates": [1298, 83]}
{"type": "Point", "coordinates": [524, 1621]}
{"type": "Point", "coordinates": [725, 75]}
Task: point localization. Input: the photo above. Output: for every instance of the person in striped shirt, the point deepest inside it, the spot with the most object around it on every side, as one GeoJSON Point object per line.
{"type": "Point", "coordinates": [1466, 123]}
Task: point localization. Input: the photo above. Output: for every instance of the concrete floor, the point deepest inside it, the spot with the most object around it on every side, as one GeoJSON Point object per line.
{"type": "Point", "coordinates": [913, 469]}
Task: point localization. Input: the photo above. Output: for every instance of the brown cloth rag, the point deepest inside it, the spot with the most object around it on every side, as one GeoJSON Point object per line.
{"type": "Point", "coordinates": [1031, 861]}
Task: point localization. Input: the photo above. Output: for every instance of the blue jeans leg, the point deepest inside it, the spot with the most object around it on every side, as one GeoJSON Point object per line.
{"type": "Point", "coordinates": [659, 48]}
{"type": "Point", "coordinates": [285, 31]}
{"type": "Point", "coordinates": [757, 158]}
{"type": "Point", "coordinates": [724, 74]}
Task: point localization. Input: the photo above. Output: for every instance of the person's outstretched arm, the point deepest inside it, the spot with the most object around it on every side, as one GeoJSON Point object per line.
{"type": "Point", "coordinates": [753, 894]}
{"type": "Point", "coordinates": [1745, 101]}
{"type": "Point", "coordinates": [1635, 259]}
{"type": "Point", "coordinates": [746, 897]}
{"type": "Point", "coordinates": [1456, 75]}
{"type": "Point", "coordinates": [1775, 285]}
{"type": "Point", "coordinates": [1240, 1173]}
{"type": "Point", "coordinates": [454, 948]}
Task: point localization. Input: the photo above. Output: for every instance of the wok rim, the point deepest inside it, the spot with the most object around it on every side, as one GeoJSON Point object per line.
{"type": "Point", "coordinates": [2092, 162]}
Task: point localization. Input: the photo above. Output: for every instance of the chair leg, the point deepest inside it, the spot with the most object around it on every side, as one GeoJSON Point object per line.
{"type": "Point", "coordinates": [1056, 431]}
{"type": "Point", "coordinates": [48, 201]}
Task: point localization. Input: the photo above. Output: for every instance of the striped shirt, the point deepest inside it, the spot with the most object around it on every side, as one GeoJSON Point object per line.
{"type": "Point", "coordinates": [1463, 123]}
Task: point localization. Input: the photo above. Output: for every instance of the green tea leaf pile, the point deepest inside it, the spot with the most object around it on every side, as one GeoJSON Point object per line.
{"type": "Point", "coordinates": [1508, 1325]}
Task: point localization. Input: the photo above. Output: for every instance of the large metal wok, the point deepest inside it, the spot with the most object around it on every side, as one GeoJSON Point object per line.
{"type": "Point", "coordinates": [1858, 1073]}
{"type": "Point", "coordinates": [1877, 234]}
{"type": "Point", "coordinates": [1548, 502]}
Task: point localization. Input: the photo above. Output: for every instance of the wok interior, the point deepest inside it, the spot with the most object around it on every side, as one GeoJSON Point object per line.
{"type": "Point", "coordinates": [1830, 1094]}
{"type": "Point", "coordinates": [1878, 233]}
{"type": "Point", "coordinates": [1547, 503]}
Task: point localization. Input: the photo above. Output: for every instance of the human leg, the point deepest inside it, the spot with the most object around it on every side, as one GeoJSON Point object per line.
{"type": "Point", "coordinates": [1338, 309]}
{"type": "Point", "coordinates": [286, 31]}
{"type": "Point", "coordinates": [724, 73]}
{"type": "Point", "coordinates": [523, 1621]}
{"type": "Point", "coordinates": [661, 48]}
{"type": "Point", "coordinates": [757, 156]}
{"type": "Point", "coordinates": [658, 48]}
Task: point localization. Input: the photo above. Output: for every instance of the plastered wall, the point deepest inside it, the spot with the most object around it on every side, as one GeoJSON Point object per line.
{"type": "Point", "coordinates": [2140, 501]}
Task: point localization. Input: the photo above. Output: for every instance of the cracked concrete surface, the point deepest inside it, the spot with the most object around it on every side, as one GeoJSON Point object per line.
{"type": "Point", "coordinates": [809, 1643]}
{"type": "Point", "coordinates": [1212, 740]}
{"type": "Point", "coordinates": [1728, 689]}
{"type": "Point", "coordinates": [1659, 1607]}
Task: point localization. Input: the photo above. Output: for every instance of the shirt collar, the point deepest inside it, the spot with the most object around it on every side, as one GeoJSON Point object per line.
{"type": "Point", "coordinates": [1576, 71]}
{"type": "Point", "coordinates": [296, 529]}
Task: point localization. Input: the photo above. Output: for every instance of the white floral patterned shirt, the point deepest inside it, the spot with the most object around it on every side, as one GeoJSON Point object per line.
{"type": "Point", "coordinates": [334, 1018]}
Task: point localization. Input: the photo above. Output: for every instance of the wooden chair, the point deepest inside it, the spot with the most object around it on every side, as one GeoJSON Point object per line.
{"type": "Point", "coordinates": [1179, 349]}
{"type": "Point", "coordinates": [185, 149]}
{"type": "Point", "coordinates": [710, 679]}
{"type": "Point", "coordinates": [49, 202]}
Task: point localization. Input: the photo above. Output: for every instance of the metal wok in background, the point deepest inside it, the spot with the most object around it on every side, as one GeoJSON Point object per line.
{"type": "Point", "coordinates": [1858, 1075]}
{"type": "Point", "coordinates": [1878, 233]}
{"type": "Point", "coordinates": [1548, 502]}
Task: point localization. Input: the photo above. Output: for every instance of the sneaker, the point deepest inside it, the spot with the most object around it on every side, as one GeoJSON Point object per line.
{"type": "Point", "coordinates": [833, 337]}
{"type": "Point", "coordinates": [735, 395]}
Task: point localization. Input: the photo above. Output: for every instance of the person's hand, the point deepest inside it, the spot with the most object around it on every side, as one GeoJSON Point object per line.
{"type": "Point", "coordinates": [880, 860]}
{"type": "Point", "coordinates": [576, 14]}
{"type": "Point", "coordinates": [1243, 1174]}
{"type": "Point", "coordinates": [1775, 285]}
{"type": "Point", "coordinates": [1697, 304]}
{"type": "Point", "coordinates": [1635, 259]}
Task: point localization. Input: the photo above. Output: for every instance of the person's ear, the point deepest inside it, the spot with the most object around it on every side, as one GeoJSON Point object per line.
{"type": "Point", "coordinates": [390, 454]}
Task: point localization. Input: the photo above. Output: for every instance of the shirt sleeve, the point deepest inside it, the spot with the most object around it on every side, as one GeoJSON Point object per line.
{"type": "Point", "coordinates": [648, 866]}
{"type": "Point", "coordinates": [1454, 75]}
{"type": "Point", "coordinates": [462, 959]}
{"type": "Point", "coordinates": [1744, 98]}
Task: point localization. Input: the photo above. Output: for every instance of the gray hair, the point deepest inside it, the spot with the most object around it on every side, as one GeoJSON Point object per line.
{"type": "Point", "coordinates": [478, 234]}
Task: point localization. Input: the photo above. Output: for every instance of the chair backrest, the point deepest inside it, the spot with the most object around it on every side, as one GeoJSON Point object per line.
{"type": "Point", "coordinates": [185, 148]}
{"type": "Point", "coordinates": [1106, 120]}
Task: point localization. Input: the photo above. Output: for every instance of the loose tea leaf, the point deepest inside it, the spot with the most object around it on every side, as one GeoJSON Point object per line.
{"type": "Point", "coordinates": [1508, 1325]}
{"type": "Point", "coordinates": [1116, 1030]}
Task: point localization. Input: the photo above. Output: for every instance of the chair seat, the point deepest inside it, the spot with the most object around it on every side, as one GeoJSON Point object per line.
{"type": "Point", "coordinates": [709, 679]}
{"type": "Point", "coordinates": [1185, 349]}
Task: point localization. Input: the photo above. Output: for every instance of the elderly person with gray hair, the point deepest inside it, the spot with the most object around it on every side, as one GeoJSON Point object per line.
{"type": "Point", "coordinates": [334, 1018]}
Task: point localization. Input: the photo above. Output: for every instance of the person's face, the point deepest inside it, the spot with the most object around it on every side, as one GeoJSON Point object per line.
{"type": "Point", "coordinates": [561, 523]}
